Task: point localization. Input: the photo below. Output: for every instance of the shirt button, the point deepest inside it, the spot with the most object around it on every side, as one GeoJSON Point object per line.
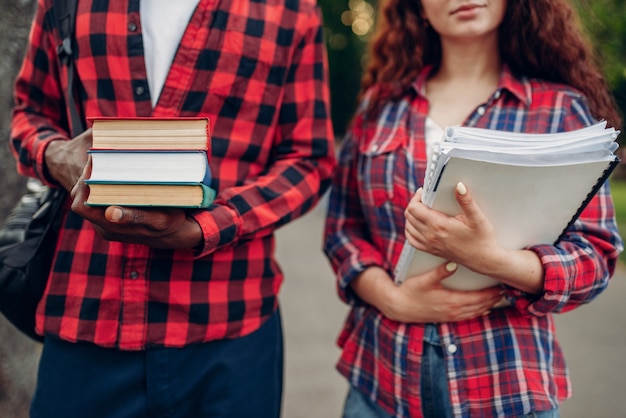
{"type": "Point", "coordinates": [134, 275]}
{"type": "Point", "coordinates": [452, 348]}
{"type": "Point", "coordinates": [481, 110]}
{"type": "Point", "coordinates": [140, 91]}
{"type": "Point", "coordinates": [132, 26]}
{"type": "Point", "coordinates": [374, 148]}
{"type": "Point", "coordinates": [497, 94]}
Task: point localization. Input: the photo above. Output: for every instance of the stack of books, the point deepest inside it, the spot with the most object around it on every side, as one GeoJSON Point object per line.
{"type": "Point", "coordinates": [532, 187]}
{"type": "Point", "coordinates": [150, 162]}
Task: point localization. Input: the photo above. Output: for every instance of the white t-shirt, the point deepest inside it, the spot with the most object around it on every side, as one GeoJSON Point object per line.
{"type": "Point", "coordinates": [433, 136]}
{"type": "Point", "coordinates": [163, 23]}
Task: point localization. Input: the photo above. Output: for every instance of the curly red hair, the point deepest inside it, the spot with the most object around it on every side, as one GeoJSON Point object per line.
{"type": "Point", "coordinates": [538, 38]}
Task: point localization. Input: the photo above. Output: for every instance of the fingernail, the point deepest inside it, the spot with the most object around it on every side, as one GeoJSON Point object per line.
{"type": "Point", "coordinates": [116, 214]}
{"type": "Point", "coordinates": [461, 189]}
{"type": "Point", "coordinates": [451, 266]}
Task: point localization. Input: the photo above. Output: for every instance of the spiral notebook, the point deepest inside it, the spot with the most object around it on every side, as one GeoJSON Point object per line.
{"type": "Point", "coordinates": [532, 187]}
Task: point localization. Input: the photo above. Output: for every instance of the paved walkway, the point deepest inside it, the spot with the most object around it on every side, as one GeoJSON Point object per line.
{"type": "Point", "coordinates": [593, 337]}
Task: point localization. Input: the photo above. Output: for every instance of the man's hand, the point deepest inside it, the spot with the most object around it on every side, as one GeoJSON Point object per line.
{"type": "Point", "coordinates": [65, 160]}
{"type": "Point", "coordinates": [155, 227]}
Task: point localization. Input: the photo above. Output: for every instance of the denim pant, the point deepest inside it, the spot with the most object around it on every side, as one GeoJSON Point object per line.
{"type": "Point", "coordinates": [233, 378]}
{"type": "Point", "coordinates": [434, 388]}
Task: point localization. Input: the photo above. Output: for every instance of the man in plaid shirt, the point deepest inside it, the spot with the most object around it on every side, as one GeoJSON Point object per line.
{"type": "Point", "coordinates": [172, 312]}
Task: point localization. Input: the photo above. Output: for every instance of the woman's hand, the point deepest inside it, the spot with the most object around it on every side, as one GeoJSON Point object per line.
{"type": "Point", "coordinates": [421, 299]}
{"type": "Point", "coordinates": [469, 239]}
{"type": "Point", "coordinates": [158, 228]}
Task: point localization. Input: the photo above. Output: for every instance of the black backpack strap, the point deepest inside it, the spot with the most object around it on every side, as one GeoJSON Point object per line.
{"type": "Point", "coordinates": [65, 16]}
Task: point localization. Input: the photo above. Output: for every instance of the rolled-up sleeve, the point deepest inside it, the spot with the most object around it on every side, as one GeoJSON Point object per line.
{"type": "Point", "coordinates": [40, 108]}
{"type": "Point", "coordinates": [578, 268]}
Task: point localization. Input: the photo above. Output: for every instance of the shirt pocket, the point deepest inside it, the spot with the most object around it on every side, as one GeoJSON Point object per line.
{"type": "Point", "coordinates": [385, 170]}
{"type": "Point", "coordinates": [385, 177]}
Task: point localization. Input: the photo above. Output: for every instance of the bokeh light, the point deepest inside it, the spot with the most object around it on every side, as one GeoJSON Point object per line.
{"type": "Point", "coordinates": [359, 16]}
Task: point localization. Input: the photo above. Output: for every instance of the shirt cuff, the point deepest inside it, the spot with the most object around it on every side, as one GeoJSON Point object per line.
{"type": "Point", "coordinates": [556, 287]}
{"type": "Point", "coordinates": [349, 271]}
{"type": "Point", "coordinates": [220, 227]}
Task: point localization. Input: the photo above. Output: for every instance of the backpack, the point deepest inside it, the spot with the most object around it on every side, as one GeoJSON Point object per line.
{"type": "Point", "coordinates": [29, 236]}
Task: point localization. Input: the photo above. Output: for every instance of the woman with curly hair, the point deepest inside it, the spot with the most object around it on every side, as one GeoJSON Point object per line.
{"type": "Point", "coordinates": [420, 349]}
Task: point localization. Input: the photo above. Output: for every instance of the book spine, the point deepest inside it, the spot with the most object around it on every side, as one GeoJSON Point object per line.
{"type": "Point", "coordinates": [402, 266]}
{"type": "Point", "coordinates": [429, 177]}
{"type": "Point", "coordinates": [208, 196]}
{"type": "Point", "coordinates": [208, 137]}
{"type": "Point", "coordinates": [603, 178]}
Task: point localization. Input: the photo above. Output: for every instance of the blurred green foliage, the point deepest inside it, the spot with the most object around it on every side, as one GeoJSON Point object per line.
{"type": "Point", "coordinates": [605, 22]}
{"type": "Point", "coordinates": [348, 23]}
{"type": "Point", "coordinates": [618, 191]}
{"type": "Point", "coordinates": [345, 54]}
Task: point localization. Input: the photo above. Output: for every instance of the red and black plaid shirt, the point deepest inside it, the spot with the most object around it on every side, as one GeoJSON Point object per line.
{"type": "Point", "coordinates": [257, 70]}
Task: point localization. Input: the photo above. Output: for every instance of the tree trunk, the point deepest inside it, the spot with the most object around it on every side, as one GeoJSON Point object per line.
{"type": "Point", "coordinates": [19, 355]}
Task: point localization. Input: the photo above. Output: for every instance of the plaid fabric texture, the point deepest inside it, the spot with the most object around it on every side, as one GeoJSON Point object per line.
{"type": "Point", "coordinates": [257, 70]}
{"type": "Point", "coordinates": [508, 363]}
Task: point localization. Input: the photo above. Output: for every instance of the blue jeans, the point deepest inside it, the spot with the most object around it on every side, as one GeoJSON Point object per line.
{"type": "Point", "coordinates": [434, 383]}
{"type": "Point", "coordinates": [234, 378]}
{"type": "Point", "coordinates": [359, 405]}
{"type": "Point", "coordinates": [434, 388]}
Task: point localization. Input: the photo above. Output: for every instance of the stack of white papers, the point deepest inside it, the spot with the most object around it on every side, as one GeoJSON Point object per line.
{"type": "Point", "coordinates": [532, 187]}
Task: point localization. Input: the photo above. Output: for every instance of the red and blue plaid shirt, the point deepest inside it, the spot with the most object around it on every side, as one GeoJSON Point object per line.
{"type": "Point", "coordinates": [257, 70]}
{"type": "Point", "coordinates": [501, 365]}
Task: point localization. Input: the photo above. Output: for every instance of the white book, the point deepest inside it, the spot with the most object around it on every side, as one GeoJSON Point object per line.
{"type": "Point", "coordinates": [532, 187]}
{"type": "Point", "coordinates": [143, 166]}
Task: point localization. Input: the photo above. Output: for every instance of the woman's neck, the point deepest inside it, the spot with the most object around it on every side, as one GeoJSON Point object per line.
{"type": "Point", "coordinates": [467, 76]}
{"type": "Point", "coordinates": [474, 61]}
